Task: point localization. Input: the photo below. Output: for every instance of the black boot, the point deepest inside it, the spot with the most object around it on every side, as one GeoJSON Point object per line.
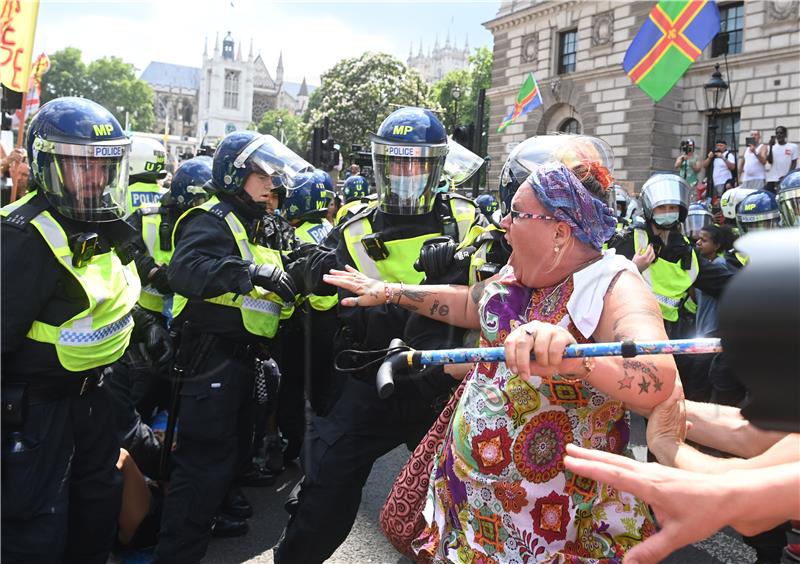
{"type": "Point", "coordinates": [236, 504]}
{"type": "Point", "coordinates": [226, 526]}
{"type": "Point", "coordinates": [256, 476]}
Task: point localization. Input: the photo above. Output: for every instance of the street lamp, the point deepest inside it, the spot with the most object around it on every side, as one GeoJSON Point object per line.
{"type": "Point", "coordinates": [456, 94]}
{"type": "Point", "coordinates": [715, 90]}
{"type": "Point", "coordinates": [279, 123]}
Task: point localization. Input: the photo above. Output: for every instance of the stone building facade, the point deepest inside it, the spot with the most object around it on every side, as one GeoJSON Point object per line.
{"type": "Point", "coordinates": [227, 93]}
{"type": "Point", "coordinates": [575, 50]}
{"type": "Point", "coordinates": [440, 60]}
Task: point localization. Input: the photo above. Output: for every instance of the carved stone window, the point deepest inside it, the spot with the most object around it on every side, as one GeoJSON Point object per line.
{"type": "Point", "coordinates": [602, 29]}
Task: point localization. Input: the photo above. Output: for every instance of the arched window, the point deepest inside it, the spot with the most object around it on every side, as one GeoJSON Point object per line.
{"type": "Point", "coordinates": [570, 125]}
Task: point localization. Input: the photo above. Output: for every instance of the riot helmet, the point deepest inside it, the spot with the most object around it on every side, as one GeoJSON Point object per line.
{"type": "Point", "coordinates": [188, 185]}
{"type": "Point", "coordinates": [789, 199]}
{"type": "Point", "coordinates": [148, 158]}
{"type": "Point", "coordinates": [730, 200]}
{"type": "Point", "coordinates": [78, 154]}
{"type": "Point", "coordinates": [408, 155]}
{"type": "Point", "coordinates": [758, 211]}
{"type": "Point", "coordinates": [355, 188]}
{"type": "Point", "coordinates": [696, 218]}
{"type": "Point", "coordinates": [487, 204]}
{"type": "Point", "coordinates": [572, 150]}
{"type": "Point", "coordinates": [663, 190]}
{"type": "Point", "coordinates": [310, 198]}
{"type": "Point", "coordinates": [243, 152]}
{"type": "Point", "coordinates": [619, 200]}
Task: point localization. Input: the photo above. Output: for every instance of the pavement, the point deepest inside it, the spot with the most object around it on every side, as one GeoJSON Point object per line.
{"type": "Point", "coordinates": [366, 543]}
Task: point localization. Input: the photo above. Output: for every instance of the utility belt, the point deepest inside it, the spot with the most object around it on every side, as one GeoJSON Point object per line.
{"type": "Point", "coordinates": [237, 350]}
{"type": "Point", "coordinates": [16, 396]}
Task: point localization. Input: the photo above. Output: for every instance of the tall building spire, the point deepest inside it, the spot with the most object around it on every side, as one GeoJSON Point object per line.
{"type": "Point", "coordinates": [420, 48]}
{"type": "Point", "coordinates": [279, 69]}
{"type": "Point", "coordinates": [216, 45]}
{"type": "Point", "coordinates": [466, 45]}
{"type": "Point", "coordinates": [205, 47]}
{"type": "Point", "coordinates": [410, 50]}
{"type": "Point", "coordinates": [250, 54]}
{"type": "Point", "coordinates": [436, 44]}
{"type": "Point", "coordinates": [239, 52]}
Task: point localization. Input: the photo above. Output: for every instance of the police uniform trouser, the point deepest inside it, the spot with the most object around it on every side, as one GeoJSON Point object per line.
{"type": "Point", "coordinates": [216, 408]}
{"type": "Point", "coordinates": [62, 491]}
{"type": "Point", "coordinates": [341, 449]}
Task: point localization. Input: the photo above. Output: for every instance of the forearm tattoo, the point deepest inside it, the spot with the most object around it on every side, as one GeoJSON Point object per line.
{"type": "Point", "coordinates": [443, 310]}
{"type": "Point", "coordinates": [645, 370]}
{"type": "Point", "coordinates": [415, 295]}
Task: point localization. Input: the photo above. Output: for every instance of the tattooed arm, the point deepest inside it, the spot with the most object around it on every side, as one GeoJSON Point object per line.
{"type": "Point", "coordinates": [631, 312]}
{"type": "Point", "coordinates": [452, 304]}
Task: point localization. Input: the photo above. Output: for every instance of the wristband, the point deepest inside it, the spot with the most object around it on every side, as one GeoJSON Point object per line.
{"type": "Point", "coordinates": [388, 292]}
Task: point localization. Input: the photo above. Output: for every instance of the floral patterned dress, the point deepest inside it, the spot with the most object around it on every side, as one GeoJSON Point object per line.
{"type": "Point", "coordinates": [499, 490]}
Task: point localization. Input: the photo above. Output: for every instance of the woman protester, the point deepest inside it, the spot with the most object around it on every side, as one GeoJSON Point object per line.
{"type": "Point", "coordinates": [499, 490]}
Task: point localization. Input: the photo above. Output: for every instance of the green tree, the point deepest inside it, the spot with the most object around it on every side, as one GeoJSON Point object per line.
{"type": "Point", "coordinates": [291, 128]}
{"type": "Point", "coordinates": [358, 93]}
{"type": "Point", "coordinates": [109, 81]}
{"type": "Point", "coordinates": [66, 77]}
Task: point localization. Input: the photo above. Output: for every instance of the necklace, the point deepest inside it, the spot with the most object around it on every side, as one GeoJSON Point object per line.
{"type": "Point", "coordinates": [550, 301]}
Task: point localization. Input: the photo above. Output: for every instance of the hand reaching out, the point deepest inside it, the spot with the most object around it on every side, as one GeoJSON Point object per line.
{"type": "Point", "coordinates": [369, 292]}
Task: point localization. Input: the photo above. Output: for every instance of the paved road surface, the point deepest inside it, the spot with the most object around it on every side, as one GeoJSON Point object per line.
{"type": "Point", "coordinates": [366, 544]}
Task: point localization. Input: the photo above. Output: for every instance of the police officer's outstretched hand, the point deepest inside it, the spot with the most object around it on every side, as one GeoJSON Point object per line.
{"type": "Point", "coordinates": [437, 257]}
{"type": "Point", "coordinates": [274, 279]}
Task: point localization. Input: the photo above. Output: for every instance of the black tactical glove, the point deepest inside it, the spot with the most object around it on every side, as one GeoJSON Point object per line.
{"type": "Point", "coordinates": [159, 280]}
{"type": "Point", "coordinates": [438, 257]}
{"type": "Point", "coordinates": [159, 344]}
{"type": "Point", "coordinates": [273, 279]}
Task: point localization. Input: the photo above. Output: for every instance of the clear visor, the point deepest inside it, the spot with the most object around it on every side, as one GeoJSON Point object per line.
{"type": "Point", "coordinates": [85, 182]}
{"type": "Point", "coordinates": [460, 164]}
{"type": "Point", "coordinates": [268, 155]}
{"type": "Point", "coordinates": [758, 222]}
{"type": "Point", "coordinates": [789, 202]}
{"type": "Point", "coordinates": [406, 185]}
{"type": "Point", "coordinates": [695, 222]}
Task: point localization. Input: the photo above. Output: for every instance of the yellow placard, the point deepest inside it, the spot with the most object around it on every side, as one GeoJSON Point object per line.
{"type": "Point", "coordinates": [17, 28]}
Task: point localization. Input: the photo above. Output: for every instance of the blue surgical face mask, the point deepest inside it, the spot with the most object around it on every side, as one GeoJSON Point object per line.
{"type": "Point", "coordinates": [408, 187]}
{"type": "Point", "coordinates": [666, 219]}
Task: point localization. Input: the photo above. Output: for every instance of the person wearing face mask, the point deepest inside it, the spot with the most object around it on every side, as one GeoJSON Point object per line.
{"type": "Point", "coordinates": [411, 221]}
{"type": "Point", "coordinates": [671, 266]}
{"type": "Point", "coordinates": [231, 292]}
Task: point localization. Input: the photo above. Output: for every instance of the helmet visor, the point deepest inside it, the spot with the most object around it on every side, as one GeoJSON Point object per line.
{"type": "Point", "coordinates": [667, 189]}
{"type": "Point", "coordinates": [460, 164]}
{"type": "Point", "coordinates": [406, 176]}
{"type": "Point", "coordinates": [758, 222]}
{"type": "Point", "coordinates": [269, 156]}
{"type": "Point", "coordinates": [789, 202]}
{"type": "Point", "coordinates": [85, 182]}
{"type": "Point", "coordinates": [695, 222]}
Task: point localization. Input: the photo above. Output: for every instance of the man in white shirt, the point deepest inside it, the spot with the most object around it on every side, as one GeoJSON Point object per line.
{"type": "Point", "coordinates": [724, 162]}
{"type": "Point", "coordinates": [782, 156]}
{"type": "Point", "coordinates": [752, 173]}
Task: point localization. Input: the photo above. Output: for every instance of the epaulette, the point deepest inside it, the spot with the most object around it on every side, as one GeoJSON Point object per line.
{"type": "Point", "coordinates": [366, 213]}
{"type": "Point", "coordinates": [221, 209]}
{"type": "Point", "coordinates": [22, 216]}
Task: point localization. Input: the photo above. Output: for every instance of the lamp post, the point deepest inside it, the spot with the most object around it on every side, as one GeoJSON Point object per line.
{"type": "Point", "coordinates": [279, 123]}
{"type": "Point", "coordinates": [715, 90]}
{"type": "Point", "coordinates": [456, 94]}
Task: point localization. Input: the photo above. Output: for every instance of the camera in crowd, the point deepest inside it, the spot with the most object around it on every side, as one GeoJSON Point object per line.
{"type": "Point", "coordinates": [687, 146]}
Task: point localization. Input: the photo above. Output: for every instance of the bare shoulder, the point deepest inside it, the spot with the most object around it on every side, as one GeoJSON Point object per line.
{"type": "Point", "coordinates": [630, 310]}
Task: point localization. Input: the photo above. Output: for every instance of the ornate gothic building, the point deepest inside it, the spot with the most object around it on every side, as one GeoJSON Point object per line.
{"type": "Point", "coordinates": [439, 60]}
{"type": "Point", "coordinates": [227, 93]}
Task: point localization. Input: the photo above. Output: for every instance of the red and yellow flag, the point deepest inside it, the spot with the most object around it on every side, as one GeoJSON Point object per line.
{"type": "Point", "coordinates": [17, 28]}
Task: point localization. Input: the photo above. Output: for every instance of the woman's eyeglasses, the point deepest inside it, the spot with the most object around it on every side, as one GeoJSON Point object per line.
{"type": "Point", "coordinates": [525, 215]}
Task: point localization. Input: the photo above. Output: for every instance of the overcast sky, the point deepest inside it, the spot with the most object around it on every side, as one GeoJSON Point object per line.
{"type": "Point", "coordinates": [312, 35]}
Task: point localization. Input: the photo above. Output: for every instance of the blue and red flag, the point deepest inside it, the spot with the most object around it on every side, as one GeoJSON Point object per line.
{"type": "Point", "coordinates": [671, 39]}
{"type": "Point", "coordinates": [528, 98]}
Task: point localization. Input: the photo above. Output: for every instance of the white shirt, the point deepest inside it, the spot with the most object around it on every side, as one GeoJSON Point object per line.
{"type": "Point", "coordinates": [721, 172]}
{"type": "Point", "coordinates": [753, 169]}
{"type": "Point", "coordinates": [782, 157]}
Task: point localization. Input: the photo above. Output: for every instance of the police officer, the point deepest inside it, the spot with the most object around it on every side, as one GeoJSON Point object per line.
{"type": "Point", "coordinates": [758, 211]}
{"type": "Point", "coordinates": [231, 294]}
{"type": "Point", "coordinates": [67, 298]}
{"type": "Point", "coordinates": [156, 222]}
{"type": "Point", "coordinates": [385, 242]}
{"type": "Point", "coordinates": [357, 198]}
{"type": "Point", "coordinates": [697, 217]}
{"type": "Point", "coordinates": [789, 199]}
{"type": "Point", "coordinates": [620, 202]}
{"type": "Point", "coordinates": [488, 205]}
{"type": "Point", "coordinates": [670, 265]}
{"type": "Point", "coordinates": [147, 161]}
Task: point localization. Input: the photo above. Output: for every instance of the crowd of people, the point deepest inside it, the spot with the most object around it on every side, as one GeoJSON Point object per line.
{"type": "Point", "coordinates": [167, 341]}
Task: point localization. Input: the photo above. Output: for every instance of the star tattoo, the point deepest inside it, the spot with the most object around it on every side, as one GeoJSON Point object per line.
{"type": "Point", "coordinates": [625, 382]}
{"type": "Point", "coordinates": [644, 386]}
